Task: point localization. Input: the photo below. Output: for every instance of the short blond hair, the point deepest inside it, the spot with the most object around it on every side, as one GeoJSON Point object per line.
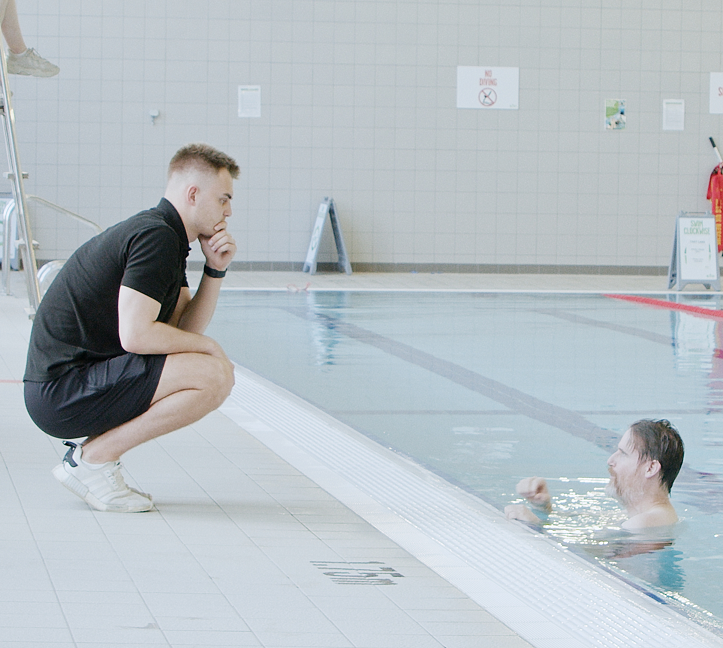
{"type": "Point", "coordinates": [202, 156]}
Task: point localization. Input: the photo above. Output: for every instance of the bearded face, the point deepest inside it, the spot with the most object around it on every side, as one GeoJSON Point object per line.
{"type": "Point", "coordinates": [627, 473]}
{"type": "Point", "coordinates": [626, 487]}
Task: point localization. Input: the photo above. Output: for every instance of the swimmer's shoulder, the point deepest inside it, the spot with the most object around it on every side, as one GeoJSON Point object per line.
{"type": "Point", "coordinates": [658, 516]}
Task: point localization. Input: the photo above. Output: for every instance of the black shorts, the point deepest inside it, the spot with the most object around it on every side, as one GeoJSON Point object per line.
{"type": "Point", "coordinates": [94, 398]}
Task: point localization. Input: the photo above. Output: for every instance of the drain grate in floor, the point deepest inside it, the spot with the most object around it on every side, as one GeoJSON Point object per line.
{"type": "Point", "coordinates": [358, 573]}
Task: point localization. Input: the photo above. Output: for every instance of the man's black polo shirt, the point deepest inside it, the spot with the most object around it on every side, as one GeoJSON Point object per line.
{"type": "Point", "coordinates": [77, 320]}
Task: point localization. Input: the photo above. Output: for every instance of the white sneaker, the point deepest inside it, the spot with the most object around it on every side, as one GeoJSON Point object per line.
{"type": "Point", "coordinates": [30, 63]}
{"type": "Point", "coordinates": [100, 485]}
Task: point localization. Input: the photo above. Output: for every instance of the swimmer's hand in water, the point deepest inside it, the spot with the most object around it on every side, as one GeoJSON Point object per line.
{"type": "Point", "coordinates": [520, 512]}
{"type": "Point", "coordinates": [536, 492]}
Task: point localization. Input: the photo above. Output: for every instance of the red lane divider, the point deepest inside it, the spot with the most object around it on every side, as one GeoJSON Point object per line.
{"type": "Point", "coordinates": [707, 313]}
{"type": "Point", "coordinates": [16, 382]}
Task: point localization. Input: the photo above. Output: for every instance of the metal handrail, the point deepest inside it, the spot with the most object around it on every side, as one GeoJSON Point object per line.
{"type": "Point", "coordinates": [98, 229]}
{"type": "Point", "coordinates": [7, 243]}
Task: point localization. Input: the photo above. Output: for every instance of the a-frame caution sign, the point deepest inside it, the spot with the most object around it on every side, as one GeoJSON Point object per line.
{"type": "Point", "coordinates": [326, 207]}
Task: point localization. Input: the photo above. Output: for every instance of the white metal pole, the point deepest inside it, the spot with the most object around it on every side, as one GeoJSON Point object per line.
{"type": "Point", "coordinates": [16, 176]}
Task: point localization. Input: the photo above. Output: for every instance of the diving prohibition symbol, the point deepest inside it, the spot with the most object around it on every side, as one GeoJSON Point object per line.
{"type": "Point", "coordinates": [487, 97]}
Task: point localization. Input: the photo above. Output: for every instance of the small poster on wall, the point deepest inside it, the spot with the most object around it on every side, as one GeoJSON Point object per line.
{"type": "Point", "coordinates": [614, 114]}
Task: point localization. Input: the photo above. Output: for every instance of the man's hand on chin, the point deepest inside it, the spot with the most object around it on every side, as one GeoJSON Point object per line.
{"type": "Point", "coordinates": [220, 248]}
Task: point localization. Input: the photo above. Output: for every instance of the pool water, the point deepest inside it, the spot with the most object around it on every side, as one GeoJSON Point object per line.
{"type": "Point", "coordinates": [487, 388]}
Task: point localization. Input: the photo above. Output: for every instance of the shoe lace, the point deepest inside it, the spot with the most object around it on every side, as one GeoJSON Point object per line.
{"type": "Point", "coordinates": [115, 477]}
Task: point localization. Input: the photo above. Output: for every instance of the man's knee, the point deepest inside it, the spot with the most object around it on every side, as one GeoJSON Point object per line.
{"type": "Point", "coordinates": [224, 378]}
{"type": "Point", "coordinates": [209, 374]}
{"type": "Point", "coordinates": [216, 378]}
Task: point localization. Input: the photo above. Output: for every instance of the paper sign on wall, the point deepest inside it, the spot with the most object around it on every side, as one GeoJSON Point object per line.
{"type": "Point", "coordinates": [249, 101]}
{"type": "Point", "coordinates": [716, 93]}
{"type": "Point", "coordinates": [488, 88]}
{"type": "Point", "coordinates": [673, 115]}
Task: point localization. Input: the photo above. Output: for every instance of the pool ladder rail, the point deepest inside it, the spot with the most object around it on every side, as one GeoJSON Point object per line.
{"type": "Point", "coordinates": [48, 271]}
{"type": "Point", "coordinates": [19, 205]}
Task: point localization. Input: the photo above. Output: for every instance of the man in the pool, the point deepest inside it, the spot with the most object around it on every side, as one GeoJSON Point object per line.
{"type": "Point", "coordinates": [117, 353]}
{"type": "Point", "coordinates": [642, 471]}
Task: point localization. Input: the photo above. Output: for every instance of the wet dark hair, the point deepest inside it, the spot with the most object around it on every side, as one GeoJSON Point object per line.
{"type": "Point", "coordinates": [659, 441]}
{"type": "Point", "coordinates": [202, 155]}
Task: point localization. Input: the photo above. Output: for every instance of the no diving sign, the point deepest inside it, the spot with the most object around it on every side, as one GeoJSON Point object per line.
{"type": "Point", "coordinates": [488, 88]}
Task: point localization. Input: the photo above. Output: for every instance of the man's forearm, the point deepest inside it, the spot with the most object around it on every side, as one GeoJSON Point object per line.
{"type": "Point", "coordinates": [141, 333]}
{"type": "Point", "coordinates": [161, 338]}
{"type": "Point", "coordinates": [198, 312]}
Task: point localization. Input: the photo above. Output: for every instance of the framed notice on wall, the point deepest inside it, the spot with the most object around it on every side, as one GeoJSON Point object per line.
{"type": "Point", "coordinates": [695, 252]}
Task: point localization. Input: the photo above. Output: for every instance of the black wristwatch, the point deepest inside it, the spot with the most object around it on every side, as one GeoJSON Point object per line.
{"type": "Point", "coordinates": [216, 274]}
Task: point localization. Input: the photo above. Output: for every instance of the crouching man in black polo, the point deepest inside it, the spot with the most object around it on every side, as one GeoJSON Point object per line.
{"type": "Point", "coordinates": [117, 353]}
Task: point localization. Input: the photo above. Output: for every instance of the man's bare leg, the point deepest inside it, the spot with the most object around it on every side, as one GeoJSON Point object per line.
{"type": "Point", "coordinates": [11, 27]}
{"type": "Point", "coordinates": [191, 386]}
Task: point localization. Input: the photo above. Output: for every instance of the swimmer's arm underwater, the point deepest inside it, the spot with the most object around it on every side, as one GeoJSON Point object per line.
{"type": "Point", "coordinates": [535, 490]}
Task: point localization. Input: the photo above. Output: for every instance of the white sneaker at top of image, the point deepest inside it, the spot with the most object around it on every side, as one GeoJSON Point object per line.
{"type": "Point", "coordinates": [100, 485]}
{"type": "Point", "coordinates": [30, 63]}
